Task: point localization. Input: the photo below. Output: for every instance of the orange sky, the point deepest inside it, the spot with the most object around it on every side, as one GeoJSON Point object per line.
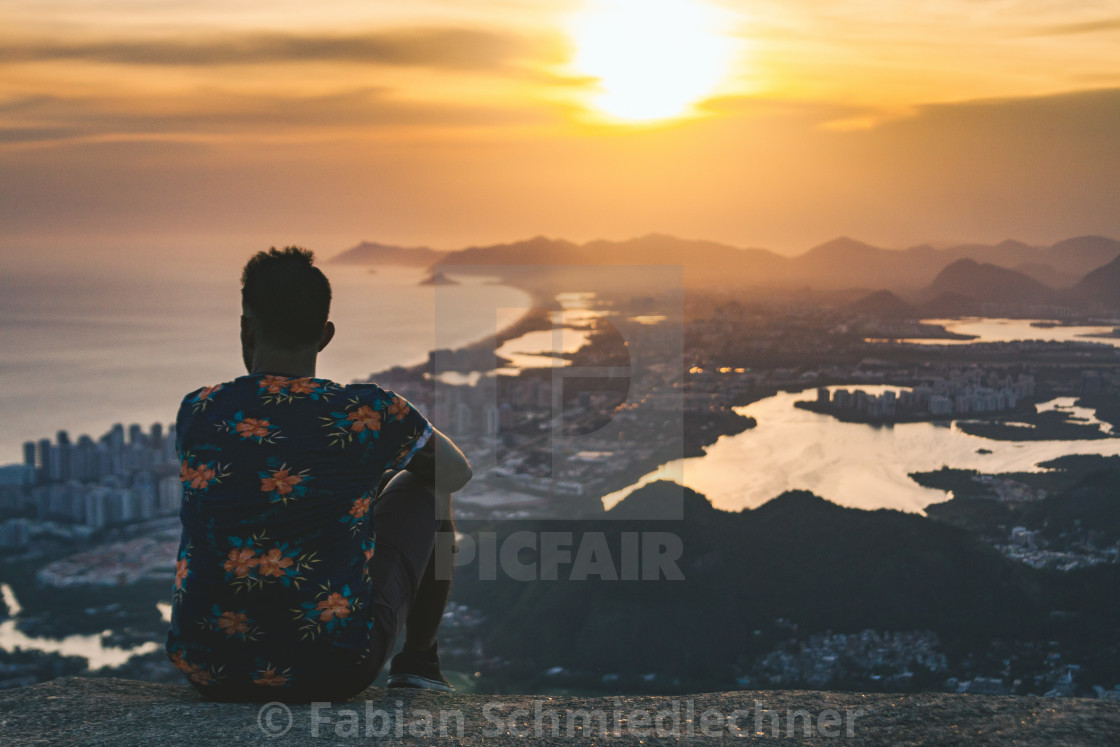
{"type": "Point", "coordinates": [234, 125]}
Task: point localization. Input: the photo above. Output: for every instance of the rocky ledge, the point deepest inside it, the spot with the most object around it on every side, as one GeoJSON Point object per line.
{"type": "Point", "coordinates": [120, 712]}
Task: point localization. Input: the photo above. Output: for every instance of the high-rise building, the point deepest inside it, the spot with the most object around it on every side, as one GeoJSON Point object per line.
{"type": "Point", "coordinates": [115, 438]}
{"type": "Point", "coordinates": [60, 468]}
{"type": "Point", "coordinates": [83, 460]}
{"type": "Point", "coordinates": [169, 453]}
{"type": "Point", "coordinates": [170, 495]}
{"type": "Point", "coordinates": [43, 473]}
{"type": "Point", "coordinates": [95, 507]}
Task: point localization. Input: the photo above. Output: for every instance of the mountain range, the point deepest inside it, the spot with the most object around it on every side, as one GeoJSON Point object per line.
{"type": "Point", "coordinates": [1008, 272]}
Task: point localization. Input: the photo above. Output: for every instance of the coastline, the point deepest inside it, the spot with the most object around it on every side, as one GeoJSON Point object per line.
{"type": "Point", "coordinates": [123, 368]}
{"type": "Point", "coordinates": [1051, 425]}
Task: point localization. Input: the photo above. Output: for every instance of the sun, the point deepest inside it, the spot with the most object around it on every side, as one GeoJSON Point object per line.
{"type": "Point", "coordinates": [653, 59]}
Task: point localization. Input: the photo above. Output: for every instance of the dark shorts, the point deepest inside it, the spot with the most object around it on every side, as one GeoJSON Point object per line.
{"type": "Point", "coordinates": [407, 522]}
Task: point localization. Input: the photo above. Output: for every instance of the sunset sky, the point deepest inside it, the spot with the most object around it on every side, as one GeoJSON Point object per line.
{"type": "Point", "coordinates": [147, 126]}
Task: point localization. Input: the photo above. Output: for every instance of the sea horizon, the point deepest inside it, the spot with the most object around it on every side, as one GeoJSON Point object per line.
{"type": "Point", "coordinates": [88, 346]}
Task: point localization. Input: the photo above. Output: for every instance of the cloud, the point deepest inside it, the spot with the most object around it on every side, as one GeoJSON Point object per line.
{"type": "Point", "coordinates": [442, 48]}
{"type": "Point", "coordinates": [217, 115]}
{"type": "Point", "coordinates": [1087, 27]}
{"type": "Point", "coordinates": [35, 134]}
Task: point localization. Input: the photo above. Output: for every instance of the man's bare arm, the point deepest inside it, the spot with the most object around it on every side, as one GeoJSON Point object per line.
{"type": "Point", "coordinates": [441, 464]}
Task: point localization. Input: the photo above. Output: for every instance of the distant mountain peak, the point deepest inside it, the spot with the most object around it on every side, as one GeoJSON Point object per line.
{"type": "Point", "coordinates": [842, 244]}
{"type": "Point", "coordinates": [372, 252]}
{"type": "Point", "coordinates": [798, 503]}
{"type": "Point", "coordinates": [1101, 286]}
{"type": "Point", "coordinates": [1013, 244]}
{"type": "Point", "coordinates": [990, 283]}
{"type": "Point", "coordinates": [840, 263]}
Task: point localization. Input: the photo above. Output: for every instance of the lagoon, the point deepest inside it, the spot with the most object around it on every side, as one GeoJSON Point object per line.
{"type": "Point", "coordinates": [989, 329]}
{"type": "Point", "coordinates": [851, 464]}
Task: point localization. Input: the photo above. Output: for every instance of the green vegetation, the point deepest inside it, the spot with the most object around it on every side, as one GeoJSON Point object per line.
{"type": "Point", "coordinates": [798, 557]}
{"type": "Point", "coordinates": [1052, 425]}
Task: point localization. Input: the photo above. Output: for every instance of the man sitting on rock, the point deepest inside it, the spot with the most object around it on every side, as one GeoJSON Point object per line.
{"type": "Point", "coordinates": [282, 589]}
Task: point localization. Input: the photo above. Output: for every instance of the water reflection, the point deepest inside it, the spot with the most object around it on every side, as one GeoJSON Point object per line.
{"type": "Point", "coordinates": [1082, 415]}
{"type": "Point", "coordinates": [852, 464]}
{"type": "Point", "coordinates": [986, 329]}
{"type": "Point", "coordinates": [538, 349]}
{"type": "Point", "coordinates": [89, 647]}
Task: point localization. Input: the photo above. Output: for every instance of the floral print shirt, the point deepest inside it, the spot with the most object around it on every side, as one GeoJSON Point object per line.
{"type": "Point", "coordinates": [279, 476]}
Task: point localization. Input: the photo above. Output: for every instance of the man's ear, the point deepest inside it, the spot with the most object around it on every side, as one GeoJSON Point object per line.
{"type": "Point", "coordinates": [328, 335]}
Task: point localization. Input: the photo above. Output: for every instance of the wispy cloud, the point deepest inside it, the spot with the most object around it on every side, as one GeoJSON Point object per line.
{"type": "Point", "coordinates": [443, 48]}
{"type": "Point", "coordinates": [1087, 27]}
{"type": "Point", "coordinates": [216, 115]}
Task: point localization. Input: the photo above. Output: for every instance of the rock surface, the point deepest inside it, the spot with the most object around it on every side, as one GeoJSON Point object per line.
{"type": "Point", "coordinates": [92, 711]}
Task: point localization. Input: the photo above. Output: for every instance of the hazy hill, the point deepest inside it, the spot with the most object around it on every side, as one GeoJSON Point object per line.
{"type": "Point", "coordinates": [1071, 257]}
{"type": "Point", "coordinates": [1047, 274]}
{"type": "Point", "coordinates": [539, 250]}
{"type": "Point", "coordinates": [798, 557]}
{"type": "Point", "coordinates": [1082, 254]}
{"type": "Point", "coordinates": [989, 283]}
{"type": "Point", "coordinates": [847, 263]}
{"type": "Point", "coordinates": [845, 250]}
{"type": "Point", "coordinates": [884, 304]}
{"type": "Point", "coordinates": [371, 253]}
{"type": "Point", "coordinates": [1005, 254]}
{"type": "Point", "coordinates": [664, 249]}
{"type": "Point", "coordinates": [1101, 287]}
{"type": "Point", "coordinates": [840, 264]}
{"type": "Point", "coordinates": [705, 263]}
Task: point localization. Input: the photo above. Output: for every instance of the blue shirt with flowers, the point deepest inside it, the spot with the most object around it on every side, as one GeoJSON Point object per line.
{"type": "Point", "coordinates": [279, 476]}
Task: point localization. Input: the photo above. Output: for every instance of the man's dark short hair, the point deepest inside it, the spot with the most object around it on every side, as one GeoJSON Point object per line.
{"type": "Point", "coordinates": [288, 296]}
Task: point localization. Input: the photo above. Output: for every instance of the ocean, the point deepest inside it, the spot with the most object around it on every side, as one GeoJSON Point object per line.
{"type": "Point", "coordinates": [88, 346]}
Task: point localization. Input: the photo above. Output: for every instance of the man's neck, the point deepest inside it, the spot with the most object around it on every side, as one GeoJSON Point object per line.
{"type": "Point", "coordinates": [280, 362]}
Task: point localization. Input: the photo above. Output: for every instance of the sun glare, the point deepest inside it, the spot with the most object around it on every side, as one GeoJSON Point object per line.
{"type": "Point", "coordinates": [653, 59]}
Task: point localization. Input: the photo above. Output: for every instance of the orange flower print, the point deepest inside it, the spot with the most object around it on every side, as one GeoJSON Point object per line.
{"type": "Point", "coordinates": [306, 385]}
{"type": "Point", "coordinates": [398, 408]}
{"type": "Point", "coordinates": [360, 508]}
{"type": "Point", "coordinates": [280, 481]}
{"type": "Point", "coordinates": [186, 472]}
{"type": "Point", "coordinates": [273, 563]}
{"type": "Point", "coordinates": [334, 606]}
{"type": "Point", "coordinates": [364, 417]}
{"type": "Point", "coordinates": [241, 559]}
{"type": "Point", "coordinates": [252, 428]}
{"type": "Point", "coordinates": [274, 384]}
{"type": "Point", "coordinates": [201, 677]}
{"type": "Point", "coordinates": [180, 572]}
{"type": "Point", "coordinates": [206, 391]}
{"type": "Point", "coordinates": [233, 623]}
{"type": "Point", "coordinates": [181, 664]}
{"type": "Point", "coordinates": [202, 477]}
{"type": "Point", "coordinates": [270, 677]}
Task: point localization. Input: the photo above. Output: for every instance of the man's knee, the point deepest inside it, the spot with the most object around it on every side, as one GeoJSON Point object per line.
{"type": "Point", "coordinates": [407, 488]}
{"type": "Point", "coordinates": [410, 487]}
